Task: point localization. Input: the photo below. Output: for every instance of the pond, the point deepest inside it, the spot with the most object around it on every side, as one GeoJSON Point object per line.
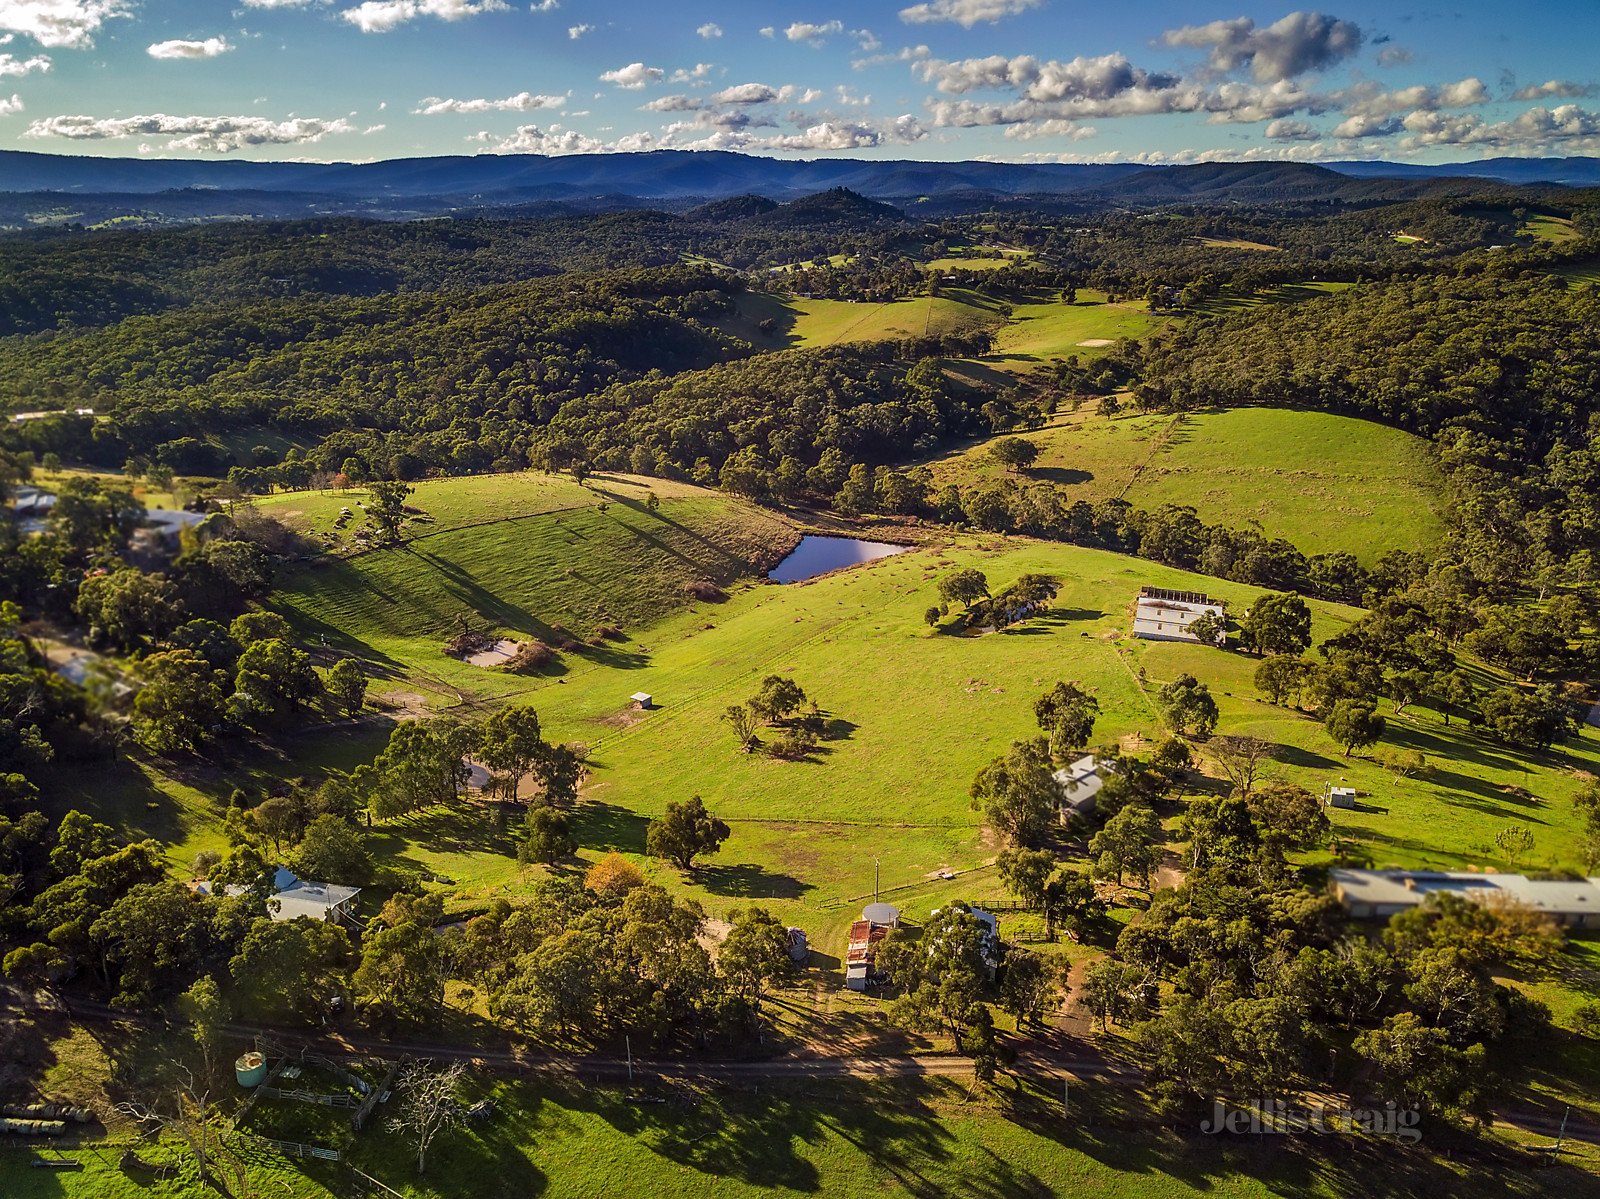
{"type": "Point", "coordinates": [818, 555]}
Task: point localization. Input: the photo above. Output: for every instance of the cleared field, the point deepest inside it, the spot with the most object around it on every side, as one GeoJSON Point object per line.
{"type": "Point", "coordinates": [1587, 272]}
{"type": "Point", "coordinates": [1551, 228]}
{"type": "Point", "coordinates": [801, 322]}
{"type": "Point", "coordinates": [1236, 243]}
{"type": "Point", "coordinates": [1323, 481]}
{"type": "Point", "coordinates": [1039, 332]}
{"type": "Point", "coordinates": [1282, 293]}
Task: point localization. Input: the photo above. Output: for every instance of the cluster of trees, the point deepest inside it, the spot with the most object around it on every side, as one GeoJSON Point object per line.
{"type": "Point", "coordinates": [1245, 981]}
{"type": "Point", "coordinates": [780, 703]}
{"type": "Point", "coordinates": [1028, 596]}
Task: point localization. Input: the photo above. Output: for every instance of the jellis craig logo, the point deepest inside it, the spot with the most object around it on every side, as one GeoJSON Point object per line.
{"type": "Point", "coordinates": [1274, 1117]}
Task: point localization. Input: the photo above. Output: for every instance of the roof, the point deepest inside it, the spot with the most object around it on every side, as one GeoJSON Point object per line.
{"type": "Point", "coordinates": [1179, 597]}
{"type": "Point", "coordinates": [1079, 782]}
{"type": "Point", "coordinates": [641, 696]}
{"type": "Point", "coordinates": [1408, 888]}
{"type": "Point", "coordinates": [881, 913]}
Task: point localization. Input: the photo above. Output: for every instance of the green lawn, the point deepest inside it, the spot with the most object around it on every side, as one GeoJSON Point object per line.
{"type": "Point", "coordinates": [803, 322]}
{"type": "Point", "coordinates": [1042, 331]}
{"type": "Point", "coordinates": [1324, 482]}
{"type": "Point", "coordinates": [1554, 229]}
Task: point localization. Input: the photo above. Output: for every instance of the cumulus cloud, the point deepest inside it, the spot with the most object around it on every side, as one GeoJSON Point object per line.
{"type": "Point", "coordinates": [1285, 130]}
{"type": "Point", "coordinates": [1394, 56]}
{"type": "Point", "coordinates": [850, 135]}
{"type": "Point", "coordinates": [282, 3]}
{"type": "Point", "coordinates": [811, 33]}
{"type": "Point", "coordinates": [217, 135]}
{"type": "Point", "coordinates": [530, 139]}
{"type": "Point", "coordinates": [633, 76]}
{"type": "Point", "coordinates": [747, 93]}
{"type": "Point", "coordinates": [675, 103]}
{"type": "Point", "coordinates": [1083, 78]}
{"type": "Point", "coordinates": [1550, 89]}
{"type": "Point", "coordinates": [1369, 100]}
{"type": "Point", "coordinates": [965, 13]}
{"type": "Point", "coordinates": [1053, 128]}
{"type": "Point", "coordinates": [709, 30]}
{"type": "Point", "coordinates": [1364, 125]}
{"type": "Point", "coordinates": [1535, 129]}
{"type": "Point", "coordinates": [904, 54]}
{"type": "Point", "coordinates": [521, 102]}
{"type": "Point", "coordinates": [544, 5]}
{"type": "Point", "coordinates": [1290, 46]}
{"type": "Point", "coordinates": [10, 107]}
{"type": "Point", "coordinates": [574, 32]}
{"type": "Point", "coordinates": [11, 65]}
{"type": "Point", "coordinates": [689, 74]}
{"type": "Point", "coordinates": [180, 48]}
{"type": "Point", "coordinates": [380, 16]}
{"type": "Point", "coordinates": [69, 24]}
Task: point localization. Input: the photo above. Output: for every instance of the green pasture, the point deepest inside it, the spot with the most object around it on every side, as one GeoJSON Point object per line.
{"type": "Point", "coordinates": [1554, 229]}
{"type": "Point", "coordinates": [816, 322]}
{"type": "Point", "coordinates": [1325, 482]}
{"type": "Point", "coordinates": [1042, 331]}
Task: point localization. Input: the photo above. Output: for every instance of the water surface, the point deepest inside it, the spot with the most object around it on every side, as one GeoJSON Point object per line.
{"type": "Point", "coordinates": [818, 555]}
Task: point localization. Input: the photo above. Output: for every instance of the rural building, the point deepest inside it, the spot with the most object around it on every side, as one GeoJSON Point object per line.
{"type": "Point", "coordinates": [1341, 797]}
{"type": "Point", "coordinates": [1078, 784]}
{"type": "Point", "coordinates": [860, 961]}
{"type": "Point", "coordinates": [643, 700]}
{"type": "Point", "coordinates": [293, 897]}
{"type": "Point", "coordinates": [1163, 615]}
{"type": "Point", "coordinates": [1379, 894]}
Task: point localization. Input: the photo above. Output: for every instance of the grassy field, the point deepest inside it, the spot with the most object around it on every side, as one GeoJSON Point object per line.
{"type": "Point", "coordinates": [1554, 229]}
{"type": "Point", "coordinates": [1039, 332]}
{"type": "Point", "coordinates": [1282, 293]}
{"type": "Point", "coordinates": [1275, 468]}
{"type": "Point", "coordinates": [802, 322]}
{"type": "Point", "coordinates": [1585, 272]}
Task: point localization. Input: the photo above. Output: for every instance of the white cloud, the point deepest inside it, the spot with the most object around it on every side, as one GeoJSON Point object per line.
{"type": "Point", "coordinates": [521, 102]}
{"type": "Point", "coordinates": [966, 13]}
{"type": "Point", "coordinates": [768, 31]}
{"type": "Point", "coordinates": [574, 32]}
{"type": "Point", "coordinates": [179, 48]}
{"type": "Point", "coordinates": [1537, 129]}
{"type": "Point", "coordinates": [70, 24]}
{"type": "Point", "coordinates": [689, 74]}
{"type": "Point", "coordinates": [1364, 125]}
{"type": "Point", "coordinates": [866, 39]}
{"type": "Point", "coordinates": [1285, 130]}
{"type": "Point", "coordinates": [530, 139]}
{"type": "Point", "coordinates": [747, 93]}
{"type": "Point", "coordinates": [850, 135]}
{"type": "Point", "coordinates": [710, 30]}
{"type": "Point", "coordinates": [1290, 46]}
{"type": "Point", "coordinates": [380, 16]}
{"type": "Point", "coordinates": [10, 107]}
{"type": "Point", "coordinates": [1368, 100]}
{"type": "Point", "coordinates": [282, 3]}
{"type": "Point", "coordinates": [1394, 56]}
{"type": "Point", "coordinates": [217, 135]}
{"type": "Point", "coordinates": [811, 33]}
{"type": "Point", "coordinates": [1552, 89]}
{"type": "Point", "coordinates": [675, 104]}
{"type": "Point", "coordinates": [633, 76]}
{"type": "Point", "coordinates": [904, 54]}
{"type": "Point", "coordinates": [1070, 130]}
{"type": "Point", "coordinates": [11, 65]}
{"type": "Point", "coordinates": [544, 5]}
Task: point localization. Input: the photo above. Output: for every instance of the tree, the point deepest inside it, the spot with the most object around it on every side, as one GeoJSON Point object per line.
{"type": "Point", "coordinates": [1186, 704]}
{"type": "Point", "coordinates": [1528, 719]}
{"type": "Point", "coordinates": [1281, 677]}
{"type": "Point", "coordinates": [1456, 693]}
{"type": "Point", "coordinates": [1013, 453]}
{"type": "Point", "coordinates": [386, 508]}
{"type": "Point", "coordinates": [1278, 624]}
{"type": "Point", "coordinates": [1018, 792]}
{"type": "Point", "coordinates": [180, 704]}
{"type": "Point", "coordinates": [1515, 841]}
{"type": "Point", "coordinates": [744, 720]}
{"type": "Point", "coordinates": [1129, 842]}
{"type": "Point", "coordinates": [965, 587]}
{"type": "Point", "coordinates": [755, 951]}
{"type": "Point", "coordinates": [346, 685]}
{"type": "Point", "coordinates": [128, 608]}
{"type": "Point", "coordinates": [423, 764]}
{"type": "Point", "coordinates": [333, 850]}
{"type": "Point", "coordinates": [276, 679]}
{"type": "Point", "coordinates": [401, 976]}
{"type": "Point", "coordinates": [249, 627]}
{"type": "Point", "coordinates": [1241, 758]}
{"type": "Point", "coordinates": [683, 832]}
{"type": "Point", "coordinates": [546, 836]}
{"type": "Point", "coordinates": [613, 877]}
{"type": "Point", "coordinates": [1209, 629]}
{"type": "Point", "coordinates": [1026, 873]}
{"type": "Point", "coordinates": [942, 973]}
{"type": "Point", "coordinates": [1354, 724]}
{"type": "Point", "coordinates": [207, 1014]}
{"type": "Point", "coordinates": [291, 969]}
{"type": "Point", "coordinates": [1066, 714]}
{"type": "Point", "coordinates": [510, 745]}
{"type": "Point", "coordinates": [778, 698]}
{"type": "Point", "coordinates": [1028, 985]}
{"type": "Point", "coordinates": [148, 939]}
{"type": "Point", "coordinates": [1407, 687]}
{"type": "Point", "coordinates": [1290, 814]}
{"type": "Point", "coordinates": [430, 1104]}
{"type": "Point", "coordinates": [1110, 991]}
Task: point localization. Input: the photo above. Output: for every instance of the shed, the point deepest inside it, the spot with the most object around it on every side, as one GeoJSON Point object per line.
{"type": "Point", "coordinates": [643, 700]}
{"type": "Point", "coordinates": [1341, 797]}
{"type": "Point", "coordinates": [1078, 784]}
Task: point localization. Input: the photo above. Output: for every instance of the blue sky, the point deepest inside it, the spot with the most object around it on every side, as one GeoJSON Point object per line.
{"type": "Point", "coordinates": [936, 79]}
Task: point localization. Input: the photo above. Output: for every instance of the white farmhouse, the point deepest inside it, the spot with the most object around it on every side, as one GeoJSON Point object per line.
{"type": "Point", "coordinates": [1078, 784]}
{"type": "Point", "coordinates": [1163, 615]}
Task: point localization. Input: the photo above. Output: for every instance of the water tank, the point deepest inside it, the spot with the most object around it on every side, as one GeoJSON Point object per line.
{"type": "Point", "coordinates": [881, 913]}
{"type": "Point", "coordinates": [251, 1069]}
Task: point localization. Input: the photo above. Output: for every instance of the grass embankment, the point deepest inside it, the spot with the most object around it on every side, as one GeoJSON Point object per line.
{"type": "Point", "coordinates": [1322, 481]}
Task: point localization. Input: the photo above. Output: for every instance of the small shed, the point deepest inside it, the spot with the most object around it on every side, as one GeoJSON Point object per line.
{"type": "Point", "coordinates": [643, 700]}
{"type": "Point", "coordinates": [1341, 797]}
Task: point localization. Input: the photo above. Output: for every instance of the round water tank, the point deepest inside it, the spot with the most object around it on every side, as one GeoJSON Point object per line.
{"type": "Point", "coordinates": [250, 1069]}
{"type": "Point", "coordinates": [881, 913]}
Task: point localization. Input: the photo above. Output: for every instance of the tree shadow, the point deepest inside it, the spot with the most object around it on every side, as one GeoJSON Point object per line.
{"type": "Point", "coordinates": [1063, 475]}
{"type": "Point", "coordinates": [748, 880]}
{"type": "Point", "coordinates": [606, 826]}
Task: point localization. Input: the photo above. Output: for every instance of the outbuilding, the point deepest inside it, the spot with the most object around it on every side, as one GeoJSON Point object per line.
{"type": "Point", "coordinates": [1078, 784]}
{"type": "Point", "coordinates": [643, 700]}
{"type": "Point", "coordinates": [1161, 614]}
{"type": "Point", "coordinates": [1379, 894]}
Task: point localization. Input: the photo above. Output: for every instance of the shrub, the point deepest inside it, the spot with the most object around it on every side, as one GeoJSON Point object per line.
{"type": "Point", "coordinates": [531, 656]}
{"type": "Point", "coordinates": [704, 589]}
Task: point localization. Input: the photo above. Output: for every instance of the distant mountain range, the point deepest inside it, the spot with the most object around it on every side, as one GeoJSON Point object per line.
{"type": "Point", "coordinates": [678, 178]}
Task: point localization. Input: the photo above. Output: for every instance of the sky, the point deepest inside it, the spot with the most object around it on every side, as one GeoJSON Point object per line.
{"type": "Point", "coordinates": [1014, 80]}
